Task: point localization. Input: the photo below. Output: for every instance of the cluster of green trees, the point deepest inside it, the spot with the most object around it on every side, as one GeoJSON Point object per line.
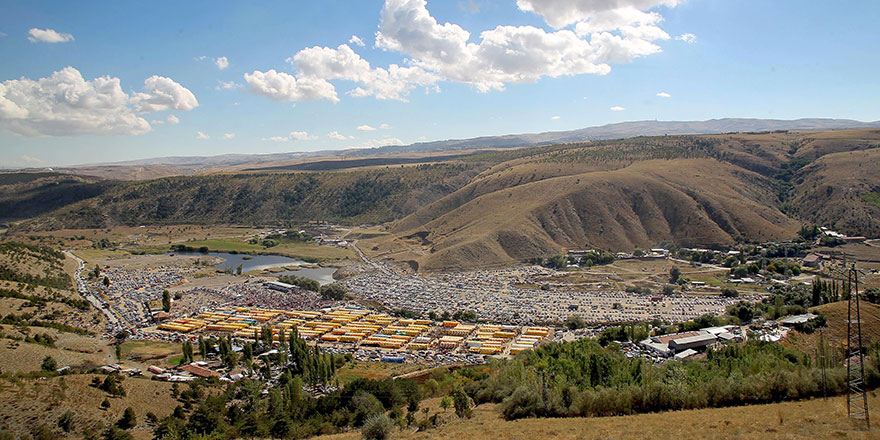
{"type": "Point", "coordinates": [286, 410]}
{"type": "Point", "coordinates": [189, 249]}
{"type": "Point", "coordinates": [583, 379]}
{"type": "Point", "coordinates": [334, 291]}
{"type": "Point", "coordinates": [809, 232]}
{"type": "Point", "coordinates": [302, 282]}
{"type": "Point", "coordinates": [587, 260]}
{"type": "Point", "coordinates": [824, 292]}
{"type": "Point", "coordinates": [782, 267]}
{"type": "Point", "coordinates": [112, 384]}
{"type": "Point", "coordinates": [785, 301]}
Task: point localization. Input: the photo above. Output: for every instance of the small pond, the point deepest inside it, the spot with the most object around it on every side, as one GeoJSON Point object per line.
{"type": "Point", "coordinates": [323, 275]}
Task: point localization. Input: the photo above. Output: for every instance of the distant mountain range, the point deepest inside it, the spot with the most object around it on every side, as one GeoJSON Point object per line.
{"type": "Point", "coordinates": [603, 132]}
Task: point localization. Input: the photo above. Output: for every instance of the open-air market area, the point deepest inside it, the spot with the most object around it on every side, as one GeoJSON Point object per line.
{"type": "Point", "coordinates": [179, 317]}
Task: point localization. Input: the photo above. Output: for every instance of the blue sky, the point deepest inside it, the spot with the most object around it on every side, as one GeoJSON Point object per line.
{"type": "Point", "coordinates": [542, 65]}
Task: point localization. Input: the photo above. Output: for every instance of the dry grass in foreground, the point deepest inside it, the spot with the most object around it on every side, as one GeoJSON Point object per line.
{"type": "Point", "coordinates": [813, 419]}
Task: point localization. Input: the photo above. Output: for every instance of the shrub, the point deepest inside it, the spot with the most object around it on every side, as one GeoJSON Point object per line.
{"type": "Point", "coordinates": [48, 364]}
{"type": "Point", "coordinates": [462, 404]}
{"type": "Point", "coordinates": [377, 427]}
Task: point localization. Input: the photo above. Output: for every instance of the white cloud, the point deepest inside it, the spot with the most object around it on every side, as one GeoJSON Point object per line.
{"type": "Point", "coordinates": [163, 94]}
{"type": "Point", "coordinates": [228, 85]}
{"type": "Point", "coordinates": [280, 86]}
{"type": "Point", "coordinates": [30, 159]}
{"type": "Point", "coordinates": [173, 120]}
{"type": "Point", "coordinates": [556, 117]}
{"type": "Point", "coordinates": [356, 41]}
{"type": "Point", "coordinates": [228, 135]}
{"type": "Point", "coordinates": [48, 36]}
{"type": "Point", "coordinates": [588, 35]}
{"type": "Point", "coordinates": [561, 13]}
{"type": "Point", "coordinates": [617, 108]}
{"type": "Point", "coordinates": [664, 95]}
{"type": "Point", "coordinates": [376, 143]}
{"type": "Point", "coordinates": [517, 54]}
{"type": "Point", "coordinates": [292, 136]}
{"type": "Point", "coordinates": [338, 136]}
{"type": "Point", "coordinates": [384, 127]}
{"type": "Point", "coordinates": [200, 135]}
{"type": "Point", "coordinates": [366, 127]}
{"type": "Point", "coordinates": [65, 104]}
{"type": "Point", "coordinates": [687, 38]}
{"type": "Point", "coordinates": [325, 63]}
{"type": "Point", "coordinates": [222, 63]}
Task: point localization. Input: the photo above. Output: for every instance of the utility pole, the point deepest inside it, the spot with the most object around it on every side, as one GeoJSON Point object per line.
{"type": "Point", "coordinates": [856, 397]}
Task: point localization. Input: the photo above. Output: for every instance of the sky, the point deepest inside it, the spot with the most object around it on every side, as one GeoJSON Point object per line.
{"type": "Point", "coordinates": [104, 81]}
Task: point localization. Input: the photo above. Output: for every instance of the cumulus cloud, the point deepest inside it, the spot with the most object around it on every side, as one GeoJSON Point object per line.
{"type": "Point", "coordinates": [664, 95]}
{"type": "Point", "coordinates": [326, 63]}
{"type": "Point", "coordinates": [200, 135]}
{"type": "Point", "coordinates": [228, 135]}
{"type": "Point", "coordinates": [556, 117]}
{"type": "Point", "coordinates": [366, 127]}
{"type": "Point", "coordinates": [301, 136]}
{"type": "Point", "coordinates": [617, 108]}
{"type": "Point", "coordinates": [292, 136]}
{"type": "Point", "coordinates": [228, 85]}
{"type": "Point", "coordinates": [376, 143]}
{"type": "Point", "coordinates": [66, 104]}
{"type": "Point", "coordinates": [48, 36]}
{"type": "Point", "coordinates": [173, 120]}
{"type": "Point", "coordinates": [356, 41]}
{"type": "Point", "coordinates": [222, 63]}
{"type": "Point", "coordinates": [687, 38]}
{"type": "Point", "coordinates": [384, 127]}
{"type": "Point", "coordinates": [163, 94]}
{"type": "Point", "coordinates": [338, 136]}
{"type": "Point", "coordinates": [280, 86]}
{"type": "Point", "coordinates": [588, 35]}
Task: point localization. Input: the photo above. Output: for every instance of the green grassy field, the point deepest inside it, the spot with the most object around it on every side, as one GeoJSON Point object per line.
{"type": "Point", "coordinates": [287, 248]}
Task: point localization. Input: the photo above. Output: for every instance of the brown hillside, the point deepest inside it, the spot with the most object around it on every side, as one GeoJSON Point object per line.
{"type": "Point", "coordinates": [831, 191]}
{"type": "Point", "coordinates": [808, 419]}
{"type": "Point", "coordinates": [698, 201]}
{"type": "Point", "coordinates": [836, 315]}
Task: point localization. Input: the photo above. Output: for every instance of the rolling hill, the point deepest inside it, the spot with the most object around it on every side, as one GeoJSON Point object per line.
{"type": "Point", "coordinates": [692, 190]}
{"type": "Point", "coordinates": [497, 207]}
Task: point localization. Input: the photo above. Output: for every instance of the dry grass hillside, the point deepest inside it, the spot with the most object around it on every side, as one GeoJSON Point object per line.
{"type": "Point", "coordinates": [833, 189]}
{"type": "Point", "coordinates": [642, 192]}
{"type": "Point", "coordinates": [688, 201]}
{"type": "Point", "coordinates": [790, 420]}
